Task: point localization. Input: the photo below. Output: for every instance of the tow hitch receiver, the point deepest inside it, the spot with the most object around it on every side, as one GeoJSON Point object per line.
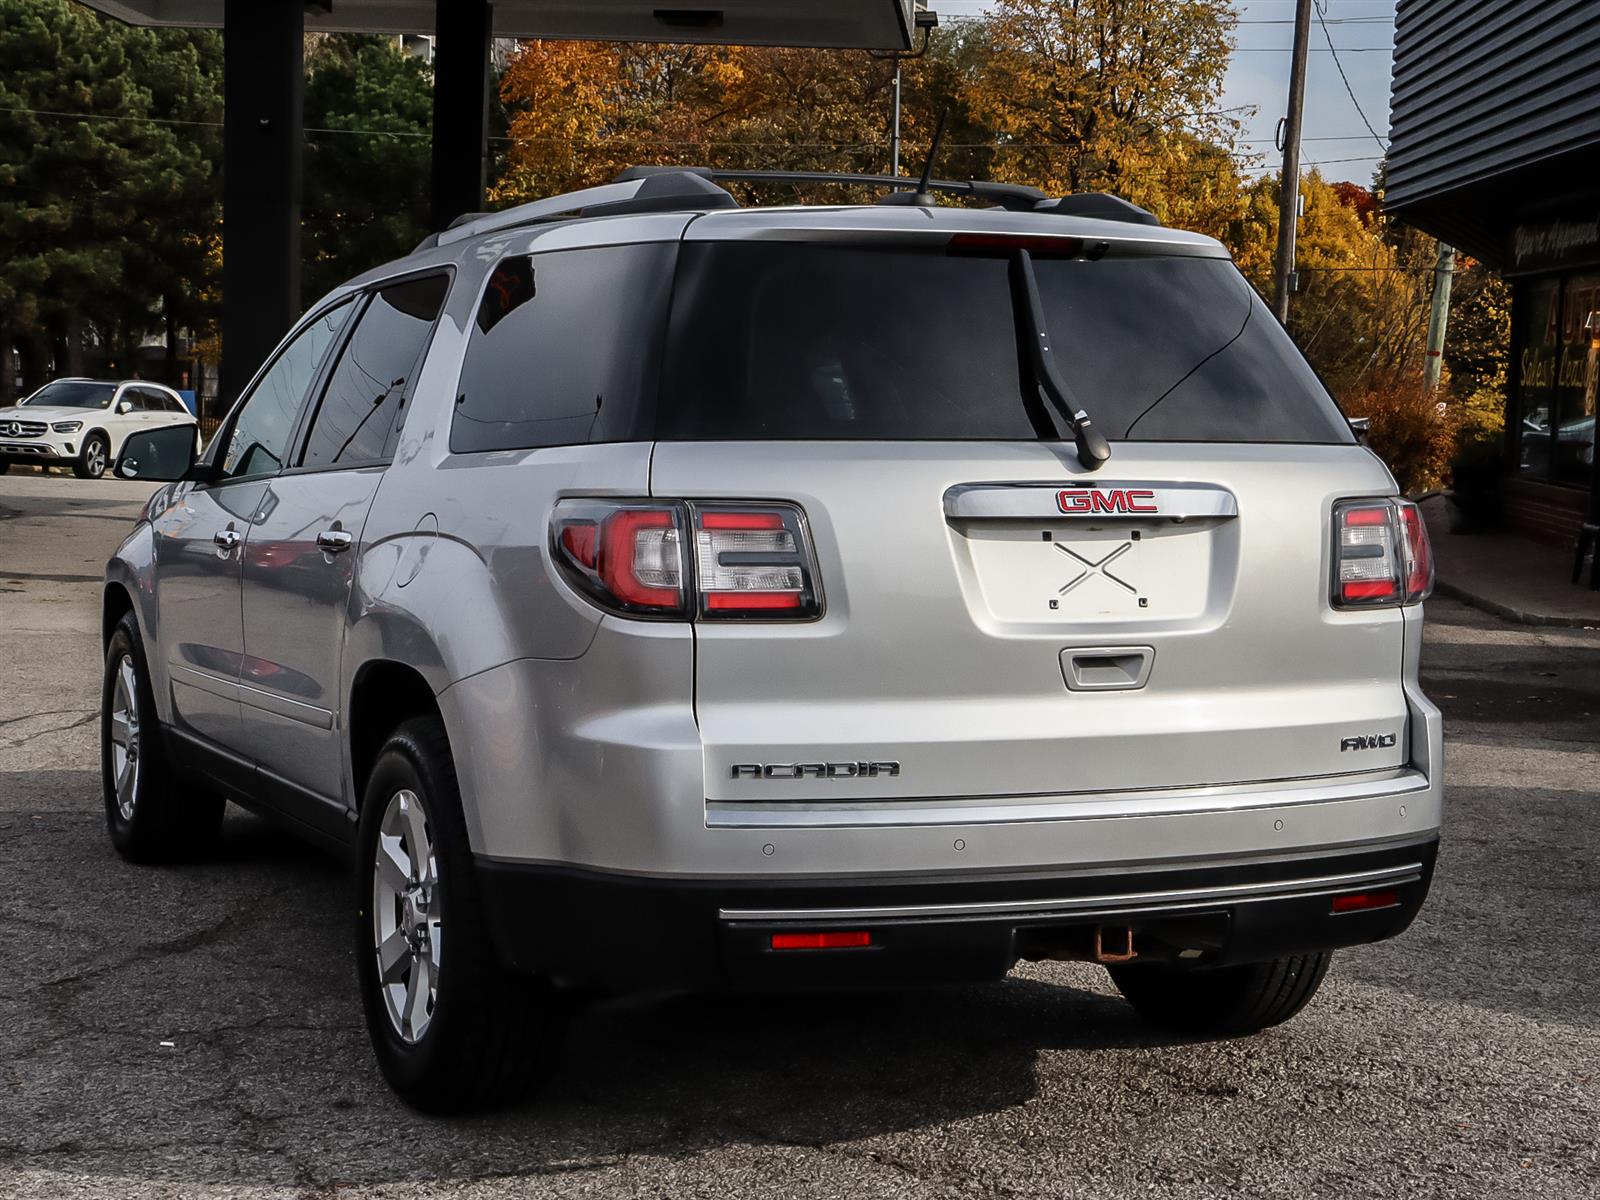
{"type": "Point", "coordinates": [1114, 944]}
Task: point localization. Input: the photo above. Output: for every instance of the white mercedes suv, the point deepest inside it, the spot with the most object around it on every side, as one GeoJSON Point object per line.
{"type": "Point", "coordinates": [82, 423]}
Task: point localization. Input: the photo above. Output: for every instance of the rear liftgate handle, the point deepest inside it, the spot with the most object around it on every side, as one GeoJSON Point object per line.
{"type": "Point", "coordinates": [1107, 668]}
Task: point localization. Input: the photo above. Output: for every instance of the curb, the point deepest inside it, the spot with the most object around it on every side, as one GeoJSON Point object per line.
{"type": "Point", "coordinates": [1506, 612]}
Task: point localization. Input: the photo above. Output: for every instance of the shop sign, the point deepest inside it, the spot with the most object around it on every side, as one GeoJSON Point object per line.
{"type": "Point", "coordinates": [1537, 245]}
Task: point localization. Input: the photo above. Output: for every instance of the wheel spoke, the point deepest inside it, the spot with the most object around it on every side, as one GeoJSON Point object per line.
{"type": "Point", "coordinates": [417, 845]}
{"type": "Point", "coordinates": [124, 775]}
{"type": "Point", "coordinates": [394, 955]}
{"type": "Point", "coordinates": [129, 683]}
{"type": "Point", "coordinates": [119, 728]}
{"type": "Point", "coordinates": [394, 869]}
{"type": "Point", "coordinates": [417, 988]}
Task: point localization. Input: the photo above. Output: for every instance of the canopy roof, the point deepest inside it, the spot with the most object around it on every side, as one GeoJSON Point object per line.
{"type": "Point", "coordinates": [872, 24]}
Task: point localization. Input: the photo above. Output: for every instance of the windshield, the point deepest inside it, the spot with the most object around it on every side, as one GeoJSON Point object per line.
{"type": "Point", "coordinates": [73, 393]}
{"type": "Point", "coordinates": [809, 341]}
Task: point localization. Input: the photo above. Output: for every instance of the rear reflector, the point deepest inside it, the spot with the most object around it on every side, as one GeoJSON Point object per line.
{"type": "Point", "coordinates": [1364, 901]}
{"type": "Point", "coordinates": [821, 941]}
{"type": "Point", "coordinates": [1381, 554]}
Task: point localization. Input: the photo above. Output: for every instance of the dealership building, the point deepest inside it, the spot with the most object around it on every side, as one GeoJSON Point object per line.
{"type": "Point", "coordinates": [1495, 149]}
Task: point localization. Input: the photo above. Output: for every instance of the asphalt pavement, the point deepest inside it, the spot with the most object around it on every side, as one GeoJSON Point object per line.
{"type": "Point", "coordinates": [195, 1031]}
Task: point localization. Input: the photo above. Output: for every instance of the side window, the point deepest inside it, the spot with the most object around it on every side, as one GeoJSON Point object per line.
{"type": "Point", "coordinates": [260, 435]}
{"type": "Point", "coordinates": [361, 404]}
{"type": "Point", "coordinates": [564, 349]}
{"type": "Point", "coordinates": [130, 401]}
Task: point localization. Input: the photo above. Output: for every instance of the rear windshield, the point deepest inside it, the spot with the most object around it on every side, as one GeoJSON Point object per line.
{"type": "Point", "coordinates": [789, 340]}
{"type": "Point", "coordinates": [780, 340]}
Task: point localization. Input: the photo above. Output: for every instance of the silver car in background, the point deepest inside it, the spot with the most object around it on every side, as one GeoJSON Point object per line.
{"type": "Point", "coordinates": [647, 592]}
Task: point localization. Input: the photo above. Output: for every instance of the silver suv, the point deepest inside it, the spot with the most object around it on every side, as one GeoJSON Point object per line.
{"type": "Point", "coordinates": [651, 592]}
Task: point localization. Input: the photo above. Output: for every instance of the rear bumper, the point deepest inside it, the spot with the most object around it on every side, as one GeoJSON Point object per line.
{"type": "Point", "coordinates": [593, 928]}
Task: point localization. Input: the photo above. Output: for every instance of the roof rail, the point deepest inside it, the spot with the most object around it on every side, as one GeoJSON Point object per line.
{"type": "Point", "coordinates": [669, 190]}
{"type": "Point", "coordinates": [1100, 206]}
{"type": "Point", "coordinates": [1016, 197]}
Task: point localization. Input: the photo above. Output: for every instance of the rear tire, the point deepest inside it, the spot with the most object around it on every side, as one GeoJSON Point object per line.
{"type": "Point", "coordinates": [453, 1031]}
{"type": "Point", "coordinates": [151, 814]}
{"type": "Point", "coordinates": [1223, 1001]}
{"type": "Point", "coordinates": [94, 459]}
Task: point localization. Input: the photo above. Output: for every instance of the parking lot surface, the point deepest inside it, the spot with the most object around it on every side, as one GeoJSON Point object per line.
{"type": "Point", "coordinates": [196, 1032]}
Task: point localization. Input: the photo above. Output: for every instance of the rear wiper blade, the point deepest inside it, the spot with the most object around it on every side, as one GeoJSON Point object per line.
{"type": "Point", "coordinates": [1093, 449]}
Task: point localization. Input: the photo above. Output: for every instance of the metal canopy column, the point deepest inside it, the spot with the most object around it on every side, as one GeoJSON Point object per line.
{"type": "Point", "coordinates": [263, 129]}
{"type": "Point", "coordinates": [463, 31]}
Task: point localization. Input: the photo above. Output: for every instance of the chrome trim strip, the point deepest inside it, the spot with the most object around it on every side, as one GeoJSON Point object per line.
{"type": "Point", "coordinates": [201, 681]}
{"type": "Point", "coordinates": [282, 706]}
{"type": "Point", "coordinates": [1001, 810]}
{"type": "Point", "coordinates": [1130, 901]}
{"type": "Point", "coordinates": [1035, 501]}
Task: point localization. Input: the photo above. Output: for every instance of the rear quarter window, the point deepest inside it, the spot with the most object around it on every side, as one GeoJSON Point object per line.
{"type": "Point", "coordinates": [564, 348]}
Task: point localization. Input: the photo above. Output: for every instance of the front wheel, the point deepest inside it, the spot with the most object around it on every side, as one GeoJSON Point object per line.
{"type": "Point", "coordinates": [452, 1030]}
{"type": "Point", "coordinates": [94, 460]}
{"type": "Point", "coordinates": [151, 815]}
{"type": "Point", "coordinates": [1223, 1001]}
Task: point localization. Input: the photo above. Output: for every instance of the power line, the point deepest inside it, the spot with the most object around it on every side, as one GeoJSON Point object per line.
{"type": "Point", "coordinates": [1350, 91]}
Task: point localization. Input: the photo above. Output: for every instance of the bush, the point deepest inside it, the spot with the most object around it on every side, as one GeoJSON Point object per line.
{"type": "Point", "coordinates": [1415, 436]}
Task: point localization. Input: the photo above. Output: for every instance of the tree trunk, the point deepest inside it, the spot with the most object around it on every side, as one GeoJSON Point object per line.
{"type": "Point", "coordinates": [72, 330]}
{"type": "Point", "coordinates": [8, 377]}
{"type": "Point", "coordinates": [169, 368]}
{"type": "Point", "coordinates": [32, 354]}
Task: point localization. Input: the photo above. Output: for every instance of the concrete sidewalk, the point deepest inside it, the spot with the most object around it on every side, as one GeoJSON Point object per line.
{"type": "Point", "coordinates": [1509, 576]}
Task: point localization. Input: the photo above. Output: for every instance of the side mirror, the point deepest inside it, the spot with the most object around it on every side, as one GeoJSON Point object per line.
{"type": "Point", "coordinates": [124, 407]}
{"type": "Point", "coordinates": [1362, 428]}
{"type": "Point", "coordinates": [158, 455]}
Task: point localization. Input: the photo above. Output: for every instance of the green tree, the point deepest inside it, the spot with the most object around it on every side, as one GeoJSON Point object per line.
{"type": "Point", "coordinates": [368, 115]}
{"type": "Point", "coordinates": [99, 180]}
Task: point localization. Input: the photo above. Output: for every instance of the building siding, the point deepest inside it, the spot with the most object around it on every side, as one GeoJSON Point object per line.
{"type": "Point", "coordinates": [1484, 87]}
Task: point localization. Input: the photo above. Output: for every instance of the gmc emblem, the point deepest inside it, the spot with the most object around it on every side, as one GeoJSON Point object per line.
{"type": "Point", "coordinates": [1109, 500]}
{"type": "Point", "coordinates": [1376, 741]}
{"type": "Point", "coordinates": [815, 770]}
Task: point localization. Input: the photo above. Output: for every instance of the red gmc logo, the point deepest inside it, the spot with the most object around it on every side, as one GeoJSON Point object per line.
{"type": "Point", "coordinates": [1111, 500]}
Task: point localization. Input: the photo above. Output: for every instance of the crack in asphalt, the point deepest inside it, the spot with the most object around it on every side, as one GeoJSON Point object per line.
{"type": "Point", "coordinates": [83, 720]}
{"type": "Point", "coordinates": [53, 712]}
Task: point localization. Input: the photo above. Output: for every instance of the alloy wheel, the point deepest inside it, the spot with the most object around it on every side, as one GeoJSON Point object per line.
{"type": "Point", "coordinates": [125, 737]}
{"type": "Point", "coordinates": [95, 458]}
{"type": "Point", "coordinates": [405, 916]}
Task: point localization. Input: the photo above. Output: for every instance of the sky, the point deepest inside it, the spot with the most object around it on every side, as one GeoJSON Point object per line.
{"type": "Point", "coordinates": [1334, 136]}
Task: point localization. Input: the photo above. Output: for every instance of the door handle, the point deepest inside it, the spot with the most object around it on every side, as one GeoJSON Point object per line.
{"type": "Point", "coordinates": [335, 540]}
{"type": "Point", "coordinates": [227, 539]}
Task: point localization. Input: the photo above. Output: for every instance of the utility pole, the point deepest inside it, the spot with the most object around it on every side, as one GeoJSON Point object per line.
{"type": "Point", "coordinates": [1444, 269]}
{"type": "Point", "coordinates": [1289, 198]}
{"type": "Point", "coordinates": [894, 132]}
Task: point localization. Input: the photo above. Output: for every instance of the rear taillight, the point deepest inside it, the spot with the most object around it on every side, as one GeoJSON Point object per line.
{"type": "Point", "coordinates": [742, 562]}
{"type": "Point", "coordinates": [753, 562]}
{"type": "Point", "coordinates": [1381, 554]}
{"type": "Point", "coordinates": [629, 558]}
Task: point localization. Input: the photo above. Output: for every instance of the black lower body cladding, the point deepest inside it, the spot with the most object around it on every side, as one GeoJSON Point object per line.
{"type": "Point", "coordinates": [634, 932]}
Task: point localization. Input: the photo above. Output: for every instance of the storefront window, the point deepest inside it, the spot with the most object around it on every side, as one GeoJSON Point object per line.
{"type": "Point", "coordinates": [1539, 327]}
{"type": "Point", "coordinates": [1575, 383]}
{"type": "Point", "coordinates": [1559, 326]}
